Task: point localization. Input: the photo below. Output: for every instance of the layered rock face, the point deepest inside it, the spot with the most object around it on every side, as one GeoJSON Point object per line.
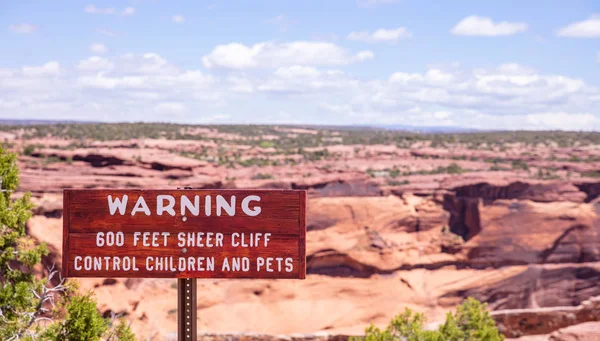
{"type": "Point", "coordinates": [369, 257]}
{"type": "Point", "coordinates": [528, 247]}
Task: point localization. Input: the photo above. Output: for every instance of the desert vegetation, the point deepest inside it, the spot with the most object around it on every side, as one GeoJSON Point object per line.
{"type": "Point", "coordinates": [36, 303]}
{"type": "Point", "coordinates": [395, 219]}
{"type": "Point", "coordinates": [470, 321]}
{"type": "Point", "coordinates": [292, 137]}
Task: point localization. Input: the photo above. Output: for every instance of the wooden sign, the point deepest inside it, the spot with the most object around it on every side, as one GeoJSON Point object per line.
{"type": "Point", "coordinates": [184, 233]}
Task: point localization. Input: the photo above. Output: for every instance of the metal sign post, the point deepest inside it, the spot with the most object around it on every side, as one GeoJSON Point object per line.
{"type": "Point", "coordinates": [187, 318]}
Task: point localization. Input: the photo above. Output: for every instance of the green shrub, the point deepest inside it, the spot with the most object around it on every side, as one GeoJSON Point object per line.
{"type": "Point", "coordinates": [470, 322]}
{"type": "Point", "coordinates": [520, 164]}
{"type": "Point", "coordinates": [260, 162]}
{"type": "Point", "coordinates": [83, 322]}
{"type": "Point", "coordinates": [394, 172]}
{"type": "Point", "coordinates": [371, 172]}
{"type": "Point", "coordinates": [24, 299]}
{"type": "Point", "coordinates": [316, 155]}
{"type": "Point", "coordinates": [28, 150]}
{"type": "Point", "coordinates": [122, 332]}
{"type": "Point", "coordinates": [266, 144]}
{"type": "Point", "coordinates": [262, 176]}
{"type": "Point", "coordinates": [497, 167]}
{"type": "Point", "coordinates": [454, 169]}
{"type": "Point", "coordinates": [398, 183]}
{"type": "Point", "coordinates": [591, 174]}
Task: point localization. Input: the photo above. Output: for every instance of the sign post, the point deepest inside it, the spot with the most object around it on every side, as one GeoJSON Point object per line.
{"type": "Point", "coordinates": [187, 319]}
{"type": "Point", "coordinates": [184, 234]}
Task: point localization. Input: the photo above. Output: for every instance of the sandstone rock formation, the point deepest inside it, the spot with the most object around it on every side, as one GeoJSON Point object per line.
{"type": "Point", "coordinates": [388, 228]}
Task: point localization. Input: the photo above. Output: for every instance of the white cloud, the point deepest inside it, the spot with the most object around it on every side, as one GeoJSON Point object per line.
{"type": "Point", "coordinates": [433, 76]}
{"type": "Point", "coordinates": [23, 28]}
{"type": "Point", "coordinates": [92, 9]}
{"type": "Point", "coordinates": [563, 121]}
{"type": "Point", "coordinates": [98, 48]}
{"type": "Point", "coordinates": [95, 63]}
{"type": "Point", "coordinates": [277, 19]}
{"type": "Point", "coordinates": [514, 68]}
{"type": "Point", "coordinates": [373, 3]}
{"type": "Point", "coordinates": [538, 121]}
{"type": "Point", "coordinates": [298, 79]}
{"type": "Point", "coordinates": [178, 19]}
{"type": "Point", "coordinates": [240, 84]}
{"type": "Point", "coordinates": [480, 98]}
{"type": "Point", "coordinates": [147, 63]}
{"type": "Point", "coordinates": [442, 115]}
{"type": "Point", "coordinates": [149, 87]}
{"type": "Point", "coordinates": [280, 20]}
{"type": "Point", "coordinates": [139, 72]}
{"type": "Point", "coordinates": [589, 28]}
{"type": "Point", "coordinates": [170, 107]}
{"type": "Point", "coordinates": [101, 81]}
{"type": "Point", "coordinates": [483, 26]}
{"type": "Point", "coordinates": [297, 71]}
{"type": "Point", "coordinates": [49, 69]}
{"type": "Point", "coordinates": [128, 11]}
{"type": "Point", "coordinates": [106, 32]}
{"type": "Point", "coordinates": [382, 34]}
{"type": "Point", "coordinates": [271, 55]}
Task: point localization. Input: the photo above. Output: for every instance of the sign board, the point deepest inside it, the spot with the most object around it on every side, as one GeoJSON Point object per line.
{"type": "Point", "coordinates": [184, 233]}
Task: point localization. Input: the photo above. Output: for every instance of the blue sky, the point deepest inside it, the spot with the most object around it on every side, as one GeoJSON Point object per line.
{"type": "Point", "coordinates": [478, 64]}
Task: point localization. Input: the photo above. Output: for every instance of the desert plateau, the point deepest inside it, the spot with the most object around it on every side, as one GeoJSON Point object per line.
{"type": "Point", "coordinates": [395, 219]}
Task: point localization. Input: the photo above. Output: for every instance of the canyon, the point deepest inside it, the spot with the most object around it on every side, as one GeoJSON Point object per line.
{"type": "Point", "coordinates": [392, 222]}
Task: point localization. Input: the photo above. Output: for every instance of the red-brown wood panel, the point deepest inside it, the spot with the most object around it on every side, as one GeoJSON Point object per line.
{"type": "Point", "coordinates": [282, 217]}
{"type": "Point", "coordinates": [302, 232]}
{"type": "Point", "coordinates": [89, 211]}
{"type": "Point", "coordinates": [65, 236]}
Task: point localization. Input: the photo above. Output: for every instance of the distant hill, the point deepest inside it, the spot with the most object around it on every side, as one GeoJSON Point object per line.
{"type": "Point", "coordinates": [26, 122]}
{"type": "Point", "coordinates": [408, 128]}
{"type": "Point", "coordinates": [430, 129]}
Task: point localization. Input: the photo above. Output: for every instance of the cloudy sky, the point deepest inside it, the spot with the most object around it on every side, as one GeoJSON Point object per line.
{"type": "Point", "coordinates": [478, 64]}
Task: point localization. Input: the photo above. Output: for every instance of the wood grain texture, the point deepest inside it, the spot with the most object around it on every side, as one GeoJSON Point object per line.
{"type": "Point", "coordinates": [283, 216]}
{"type": "Point", "coordinates": [89, 211]}
{"type": "Point", "coordinates": [302, 232]}
{"type": "Point", "coordinates": [65, 236]}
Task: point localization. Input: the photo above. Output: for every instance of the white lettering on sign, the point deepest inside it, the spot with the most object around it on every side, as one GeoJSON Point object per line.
{"type": "Point", "coordinates": [250, 240]}
{"type": "Point", "coordinates": [140, 206]}
{"type": "Point", "coordinates": [118, 203]}
{"type": "Point", "coordinates": [160, 204]}
{"type": "Point", "coordinates": [110, 239]}
{"type": "Point", "coordinates": [180, 264]}
{"type": "Point", "coordinates": [268, 264]}
{"type": "Point", "coordinates": [152, 248]}
{"type": "Point", "coordinates": [200, 239]}
{"type": "Point", "coordinates": [89, 263]}
{"type": "Point", "coordinates": [236, 264]}
{"type": "Point", "coordinates": [246, 202]}
{"type": "Point", "coordinates": [165, 204]}
{"type": "Point", "coordinates": [222, 204]}
{"type": "Point", "coordinates": [187, 204]}
{"type": "Point", "coordinates": [207, 210]}
{"type": "Point", "coordinates": [183, 240]}
{"type": "Point", "coordinates": [150, 238]}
